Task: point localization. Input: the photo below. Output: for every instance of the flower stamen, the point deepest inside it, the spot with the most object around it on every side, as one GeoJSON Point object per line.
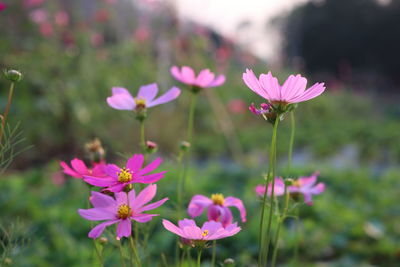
{"type": "Point", "coordinates": [124, 175]}
{"type": "Point", "coordinates": [218, 199]}
{"type": "Point", "coordinates": [124, 211]}
{"type": "Point", "coordinates": [205, 233]}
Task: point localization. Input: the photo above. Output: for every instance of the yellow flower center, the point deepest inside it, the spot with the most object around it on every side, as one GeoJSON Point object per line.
{"type": "Point", "coordinates": [124, 211]}
{"type": "Point", "coordinates": [140, 103]}
{"type": "Point", "coordinates": [205, 232]}
{"type": "Point", "coordinates": [296, 183]}
{"type": "Point", "coordinates": [124, 175]}
{"type": "Point", "coordinates": [218, 199]}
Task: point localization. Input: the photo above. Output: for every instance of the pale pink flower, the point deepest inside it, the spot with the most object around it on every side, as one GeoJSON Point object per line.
{"type": "Point", "coordinates": [78, 169]}
{"type": "Point", "coordinates": [117, 178]}
{"type": "Point", "coordinates": [292, 91]}
{"type": "Point", "coordinates": [279, 188]}
{"type": "Point", "coordinates": [61, 18]}
{"type": "Point", "coordinates": [190, 232]}
{"type": "Point", "coordinates": [121, 210]}
{"type": "Point", "coordinates": [123, 100]}
{"type": "Point", "coordinates": [204, 79]}
{"type": "Point", "coordinates": [39, 15]}
{"type": "Point", "coordinates": [307, 187]}
{"type": "Point", "coordinates": [217, 208]}
{"type": "Point", "coordinates": [46, 29]}
{"type": "Point", "coordinates": [96, 39]}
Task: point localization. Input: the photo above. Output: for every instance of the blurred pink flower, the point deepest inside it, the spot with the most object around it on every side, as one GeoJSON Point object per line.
{"type": "Point", "coordinates": [121, 98]}
{"type": "Point", "coordinates": [217, 208]}
{"type": "Point", "coordinates": [292, 91]}
{"type": "Point", "coordinates": [39, 15]}
{"type": "Point", "coordinates": [278, 191]}
{"type": "Point", "coordinates": [190, 232]}
{"type": "Point", "coordinates": [141, 34]}
{"type": "Point", "coordinates": [307, 187]}
{"type": "Point", "coordinates": [96, 39]}
{"type": "Point", "coordinates": [58, 178]}
{"type": "Point", "coordinates": [32, 3]}
{"type": "Point", "coordinates": [117, 178]}
{"type": "Point", "coordinates": [121, 210]}
{"type": "Point", "coordinates": [2, 6]}
{"type": "Point", "coordinates": [236, 106]}
{"type": "Point", "coordinates": [78, 169]}
{"type": "Point", "coordinates": [61, 18]}
{"type": "Point", "coordinates": [46, 29]}
{"type": "Point", "coordinates": [204, 79]}
{"type": "Point", "coordinates": [102, 15]}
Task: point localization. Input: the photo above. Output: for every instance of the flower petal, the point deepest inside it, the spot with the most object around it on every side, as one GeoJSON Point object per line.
{"type": "Point", "coordinates": [186, 223]}
{"type": "Point", "coordinates": [144, 197]}
{"type": "Point", "coordinates": [168, 96]}
{"type": "Point", "coordinates": [153, 205]}
{"type": "Point", "coordinates": [217, 81]}
{"type": "Point", "coordinates": [151, 178]}
{"type": "Point", "coordinates": [100, 200]}
{"type": "Point", "coordinates": [96, 214]}
{"type": "Point", "coordinates": [124, 228]}
{"type": "Point", "coordinates": [294, 86]}
{"type": "Point", "coordinates": [270, 86]}
{"type": "Point", "coordinates": [173, 228]}
{"type": "Point", "coordinates": [143, 218]}
{"type": "Point", "coordinates": [187, 75]}
{"type": "Point", "coordinates": [121, 198]}
{"type": "Point", "coordinates": [148, 92]}
{"type": "Point", "coordinates": [310, 93]}
{"type": "Point", "coordinates": [79, 166]}
{"type": "Point", "coordinates": [252, 82]}
{"type": "Point", "coordinates": [151, 167]}
{"type": "Point", "coordinates": [204, 78]}
{"type": "Point", "coordinates": [68, 171]}
{"type": "Point", "coordinates": [197, 204]}
{"type": "Point", "coordinates": [119, 90]}
{"type": "Point", "coordinates": [235, 202]}
{"type": "Point", "coordinates": [135, 162]}
{"type": "Point", "coordinates": [99, 181]}
{"type": "Point", "coordinates": [121, 102]}
{"type": "Point", "coordinates": [98, 229]}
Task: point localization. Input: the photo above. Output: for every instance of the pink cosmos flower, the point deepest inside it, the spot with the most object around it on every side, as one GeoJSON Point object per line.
{"type": "Point", "coordinates": [292, 91]}
{"type": "Point", "coordinates": [217, 208]}
{"type": "Point", "coordinates": [124, 208]}
{"type": "Point", "coordinates": [78, 169]}
{"type": "Point", "coordinates": [61, 18]}
{"type": "Point", "coordinates": [39, 15]}
{"type": "Point", "coordinates": [190, 232]}
{"type": "Point", "coordinates": [279, 189]}
{"type": "Point", "coordinates": [307, 187]}
{"type": "Point", "coordinates": [117, 178]}
{"type": "Point", "coordinates": [204, 79]}
{"type": "Point", "coordinates": [121, 98]}
{"type": "Point", "coordinates": [264, 108]}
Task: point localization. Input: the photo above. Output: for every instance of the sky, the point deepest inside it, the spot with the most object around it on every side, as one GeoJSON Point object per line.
{"type": "Point", "coordinates": [225, 15]}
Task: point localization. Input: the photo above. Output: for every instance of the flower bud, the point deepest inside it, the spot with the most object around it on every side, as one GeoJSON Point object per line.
{"type": "Point", "coordinates": [13, 75]}
{"type": "Point", "coordinates": [289, 182]}
{"type": "Point", "coordinates": [229, 262]}
{"type": "Point", "coordinates": [95, 150]}
{"type": "Point", "coordinates": [184, 146]}
{"type": "Point", "coordinates": [151, 147]}
{"type": "Point", "coordinates": [103, 240]}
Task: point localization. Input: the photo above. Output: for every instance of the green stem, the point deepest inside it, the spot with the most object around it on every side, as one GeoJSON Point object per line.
{"type": "Point", "coordinates": [199, 257]}
{"type": "Point", "coordinates": [297, 234]}
{"type": "Point", "coordinates": [193, 101]}
{"type": "Point", "coordinates": [280, 222]}
{"type": "Point", "coordinates": [134, 251]}
{"type": "Point", "coordinates": [214, 253]}
{"type": "Point", "coordinates": [291, 142]}
{"type": "Point", "coordinates": [7, 110]}
{"type": "Point", "coordinates": [121, 253]}
{"type": "Point", "coordinates": [262, 255]}
{"type": "Point", "coordinates": [98, 253]}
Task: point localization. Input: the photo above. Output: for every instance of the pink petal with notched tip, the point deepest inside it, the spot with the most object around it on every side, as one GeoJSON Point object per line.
{"type": "Point", "coordinates": [150, 167]}
{"type": "Point", "coordinates": [217, 81]}
{"type": "Point", "coordinates": [197, 204]}
{"type": "Point", "coordinates": [99, 181]}
{"type": "Point", "coordinates": [168, 96]}
{"type": "Point", "coordinates": [135, 162]}
{"type": "Point", "coordinates": [186, 223]}
{"type": "Point", "coordinates": [146, 195]}
{"type": "Point", "coordinates": [100, 200]}
{"type": "Point", "coordinates": [152, 205]}
{"type": "Point", "coordinates": [314, 91]}
{"type": "Point", "coordinates": [120, 90]}
{"type": "Point", "coordinates": [96, 214]}
{"type": "Point", "coordinates": [98, 229]}
{"type": "Point", "coordinates": [193, 233]}
{"type": "Point", "coordinates": [143, 218]}
{"type": "Point", "coordinates": [235, 202]}
{"type": "Point", "coordinates": [173, 228]}
{"type": "Point", "coordinates": [151, 178]}
{"type": "Point", "coordinates": [148, 92]}
{"type": "Point", "coordinates": [270, 86]}
{"type": "Point", "coordinates": [124, 228]}
{"type": "Point", "coordinates": [68, 171]}
{"type": "Point", "coordinates": [121, 102]}
{"type": "Point", "coordinates": [116, 188]}
{"type": "Point", "coordinates": [121, 198]}
{"type": "Point", "coordinates": [252, 82]}
{"type": "Point", "coordinates": [187, 75]}
{"type": "Point", "coordinates": [98, 170]}
{"type": "Point", "coordinates": [294, 86]}
{"type": "Point", "coordinates": [204, 78]}
{"type": "Point", "coordinates": [176, 73]}
{"type": "Point", "coordinates": [79, 166]}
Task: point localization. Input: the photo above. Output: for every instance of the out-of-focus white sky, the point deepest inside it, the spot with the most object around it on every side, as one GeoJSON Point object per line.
{"type": "Point", "coordinates": [225, 15]}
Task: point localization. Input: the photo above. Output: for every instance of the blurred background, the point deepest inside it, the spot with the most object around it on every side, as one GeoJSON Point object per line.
{"type": "Point", "coordinates": [72, 52]}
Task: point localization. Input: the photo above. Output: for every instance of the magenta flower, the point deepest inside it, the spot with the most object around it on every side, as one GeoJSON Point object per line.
{"type": "Point", "coordinates": [204, 79]}
{"type": "Point", "coordinates": [279, 188]}
{"type": "Point", "coordinates": [292, 91]}
{"type": "Point", "coordinates": [121, 98]}
{"type": "Point", "coordinates": [2, 6]}
{"type": "Point", "coordinates": [264, 109]}
{"type": "Point", "coordinates": [191, 233]}
{"type": "Point", "coordinates": [217, 208]}
{"type": "Point", "coordinates": [117, 178]}
{"type": "Point", "coordinates": [307, 187]}
{"type": "Point", "coordinates": [78, 169]}
{"type": "Point", "coordinates": [124, 208]}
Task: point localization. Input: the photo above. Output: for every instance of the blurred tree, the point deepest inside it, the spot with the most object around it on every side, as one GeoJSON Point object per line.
{"type": "Point", "coordinates": [346, 36]}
